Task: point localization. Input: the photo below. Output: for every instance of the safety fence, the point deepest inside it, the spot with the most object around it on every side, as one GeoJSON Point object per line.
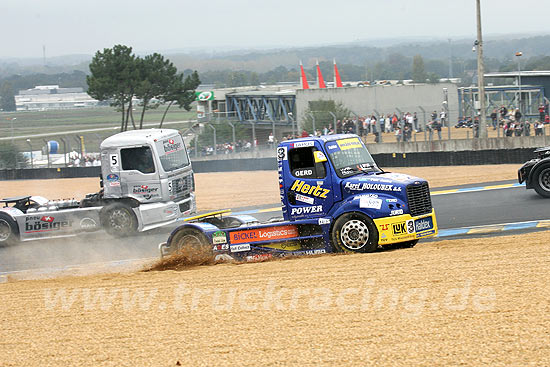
{"type": "Point", "coordinates": [385, 160]}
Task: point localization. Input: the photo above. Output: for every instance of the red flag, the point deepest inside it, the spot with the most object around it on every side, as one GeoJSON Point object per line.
{"type": "Point", "coordinates": [320, 80]}
{"type": "Point", "coordinates": [303, 78]}
{"type": "Point", "coordinates": [337, 79]}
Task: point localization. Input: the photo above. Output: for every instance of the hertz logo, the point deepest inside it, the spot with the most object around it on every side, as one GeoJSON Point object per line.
{"type": "Point", "coordinates": [317, 191]}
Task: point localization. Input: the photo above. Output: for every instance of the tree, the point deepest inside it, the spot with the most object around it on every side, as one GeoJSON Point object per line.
{"type": "Point", "coordinates": [7, 100]}
{"type": "Point", "coordinates": [418, 72]}
{"type": "Point", "coordinates": [433, 78]}
{"type": "Point", "coordinates": [114, 76]}
{"type": "Point", "coordinates": [156, 77]}
{"type": "Point", "coordinates": [180, 92]}
{"type": "Point", "coordinates": [11, 157]}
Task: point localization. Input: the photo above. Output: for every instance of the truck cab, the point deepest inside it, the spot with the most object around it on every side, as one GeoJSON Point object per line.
{"type": "Point", "coordinates": [335, 174]}
{"type": "Point", "coordinates": [152, 170]}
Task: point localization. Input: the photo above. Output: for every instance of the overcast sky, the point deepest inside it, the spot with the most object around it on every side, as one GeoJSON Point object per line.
{"type": "Point", "coordinates": [83, 27]}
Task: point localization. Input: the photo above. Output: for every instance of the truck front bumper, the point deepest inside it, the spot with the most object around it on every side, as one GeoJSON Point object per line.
{"type": "Point", "coordinates": [156, 215]}
{"type": "Point", "coordinates": [403, 228]}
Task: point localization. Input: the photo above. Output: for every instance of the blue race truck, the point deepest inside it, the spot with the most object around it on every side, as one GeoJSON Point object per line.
{"type": "Point", "coordinates": [334, 199]}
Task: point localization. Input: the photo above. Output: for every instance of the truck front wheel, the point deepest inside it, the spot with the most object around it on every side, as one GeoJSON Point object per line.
{"type": "Point", "coordinates": [191, 240]}
{"type": "Point", "coordinates": [119, 220]}
{"type": "Point", "coordinates": [541, 181]}
{"type": "Point", "coordinates": [354, 232]}
{"type": "Point", "coordinates": [9, 233]}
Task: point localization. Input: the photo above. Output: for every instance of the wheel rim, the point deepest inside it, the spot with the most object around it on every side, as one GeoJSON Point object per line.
{"type": "Point", "coordinates": [5, 230]}
{"type": "Point", "coordinates": [120, 219]}
{"type": "Point", "coordinates": [354, 234]}
{"type": "Point", "coordinates": [544, 179]}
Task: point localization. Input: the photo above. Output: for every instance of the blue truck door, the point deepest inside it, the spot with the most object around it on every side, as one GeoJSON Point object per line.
{"type": "Point", "coordinates": [307, 186]}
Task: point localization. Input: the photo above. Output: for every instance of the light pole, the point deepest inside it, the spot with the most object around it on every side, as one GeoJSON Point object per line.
{"type": "Point", "coordinates": [480, 75]}
{"type": "Point", "coordinates": [12, 119]}
{"type": "Point", "coordinates": [30, 150]}
{"type": "Point", "coordinates": [518, 55]}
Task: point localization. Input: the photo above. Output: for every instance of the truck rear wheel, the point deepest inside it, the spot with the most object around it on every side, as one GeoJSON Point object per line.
{"type": "Point", "coordinates": [541, 181]}
{"type": "Point", "coordinates": [354, 232]}
{"type": "Point", "coordinates": [119, 220]}
{"type": "Point", "coordinates": [9, 232]}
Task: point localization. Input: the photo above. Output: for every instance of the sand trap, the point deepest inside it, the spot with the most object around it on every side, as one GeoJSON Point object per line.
{"type": "Point", "coordinates": [468, 302]}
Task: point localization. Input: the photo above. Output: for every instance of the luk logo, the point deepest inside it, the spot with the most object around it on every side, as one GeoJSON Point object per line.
{"type": "Point", "coordinates": [317, 191]}
{"type": "Point", "coordinates": [403, 227]}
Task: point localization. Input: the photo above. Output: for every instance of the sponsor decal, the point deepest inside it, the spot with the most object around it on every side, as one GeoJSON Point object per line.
{"type": "Point", "coordinates": [391, 200]}
{"type": "Point", "coordinates": [403, 227]}
{"type": "Point", "coordinates": [317, 191]}
{"type": "Point", "coordinates": [303, 144]}
{"type": "Point", "coordinates": [170, 146]}
{"type": "Point", "coordinates": [324, 221]}
{"type": "Point", "coordinates": [259, 257]}
{"type": "Point", "coordinates": [399, 177]}
{"type": "Point", "coordinates": [111, 177]}
{"type": "Point", "coordinates": [219, 237]}
{"type": "Point", "coordinates": [370, 186]}
{"type": "Point", "coordinates": [346, 171]}
{"type": "Point", "coordinates": [396, 212]}
{"type": "Point", "coordinates": [220, 247]}
{"type": "Point", "coordinates": [146, 191]}
{"type": "Point", "coordinates": [263, 234]}
{"type": "Point", "coordinates": [281, 154]}
{"type": "Point", "coordinates": [319, 156]}
{"type": "Point", "coordinates": [306, 210]}
{"type": "Point", "coordinates": [350, 143]}
{"type": "Point", "coordinates": [114, 184]}
{"type": "Point", "coordinates": [370, 203]}
{"type": "Point", "coordinates": [424, 234]}
{"type": "Point", "coordinates": [239, 248]}
{"type": "Point", "coordinates": [424, 224]}
{"type": "Point", "coordinates": [304, 199]}
{"type": "Point", "coordinates": [88, 224]}
{"type": "Point", "coordinates": [303, 172]}
{"type": "Point", "coordinates": [332, 146]}
{"type": "Point", "coordinates": [44, 224]}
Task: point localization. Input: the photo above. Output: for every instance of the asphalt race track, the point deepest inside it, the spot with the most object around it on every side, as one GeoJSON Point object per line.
{"type": "Point", "coordinates": [454, 210]}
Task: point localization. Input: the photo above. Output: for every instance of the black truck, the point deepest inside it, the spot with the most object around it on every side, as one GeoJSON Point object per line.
{"type": "Point", "coordinates": [536, 172]}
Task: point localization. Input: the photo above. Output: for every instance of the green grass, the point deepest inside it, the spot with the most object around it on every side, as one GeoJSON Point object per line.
{"type": "Point", "coordinates": [62, 121]}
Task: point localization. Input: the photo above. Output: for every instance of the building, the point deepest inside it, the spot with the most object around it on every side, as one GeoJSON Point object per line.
{"type": "Point", "coordinates": [51, 97]}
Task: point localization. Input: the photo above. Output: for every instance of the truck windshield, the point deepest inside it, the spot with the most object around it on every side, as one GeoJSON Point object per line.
{"type": "Point", "coordinates": [172, 153]}
{"type": "Point", "coordinates": [349, 157]}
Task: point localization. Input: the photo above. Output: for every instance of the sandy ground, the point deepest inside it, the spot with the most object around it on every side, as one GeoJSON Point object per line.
{"type": "Point", "coordinates": [238, 189]}
{"type": "Point", "coordinates": [461, 302]}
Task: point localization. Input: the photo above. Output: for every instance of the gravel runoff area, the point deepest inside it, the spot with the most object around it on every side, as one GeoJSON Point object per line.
{"type": "Point", "coordinates": [238, 189]}
{"type": "Point", "coordinates": [459, 302]}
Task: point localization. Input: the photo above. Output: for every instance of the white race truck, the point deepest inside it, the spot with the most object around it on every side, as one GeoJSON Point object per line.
{"type": "Point", "coordinates": [147, 182]}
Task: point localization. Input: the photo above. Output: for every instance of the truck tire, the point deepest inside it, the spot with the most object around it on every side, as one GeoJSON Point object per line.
{"type": "Point", "coordinates": [354, 232]}
{"type": "Point", "coordinates": [9, 232]}
{"type": "Point", "coordinates": [189, 238]}
{"type": "Point", "coordinates": [118, 220]}
{"type": "Point", "coordinates": [541, 181]}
